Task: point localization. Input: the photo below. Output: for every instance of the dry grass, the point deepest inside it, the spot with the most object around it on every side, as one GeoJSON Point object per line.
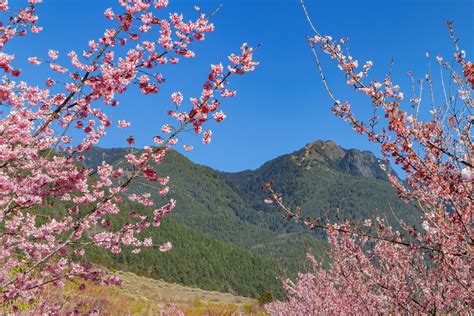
{"type": "Point", "coordinates": [144, 296]}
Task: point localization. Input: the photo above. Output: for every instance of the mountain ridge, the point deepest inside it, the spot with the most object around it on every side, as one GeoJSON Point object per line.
{"type": "Point", "coordinates": [320, 177]}
{"type": "Point", "coordinates": [352, 161]}
{"type": "Point", "coordinates": [319, 145]}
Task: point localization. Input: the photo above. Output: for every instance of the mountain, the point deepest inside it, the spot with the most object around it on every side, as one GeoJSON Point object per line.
{"type": "Point", "coordinates": [354, 162]}
{"type": "Point", "coordinates": [324, 179]}
{"type": "Point", "coordinates": [226, 210]}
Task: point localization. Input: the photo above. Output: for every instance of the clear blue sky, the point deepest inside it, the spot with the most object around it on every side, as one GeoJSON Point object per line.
{"type": "Point", "coordinates": [282, 105]}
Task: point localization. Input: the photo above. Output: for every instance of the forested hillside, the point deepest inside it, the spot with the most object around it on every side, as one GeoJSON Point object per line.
{"type": "Point", "coordinates": [225, 238]}
{"type": "Point", "coordinates": [198, 260]}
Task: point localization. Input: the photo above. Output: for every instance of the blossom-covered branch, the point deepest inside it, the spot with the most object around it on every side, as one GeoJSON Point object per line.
{"type": "Point", "coordinates": [41, 165]}
{"type": "Point", "coordinates": [373, 267]}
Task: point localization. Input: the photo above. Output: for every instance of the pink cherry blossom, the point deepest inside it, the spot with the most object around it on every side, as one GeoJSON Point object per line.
{"type": "Point", "coordinates": [177, 98]}
{"type": "Point", "coordinates": [123, 124]}
{"type": "Point", "coordinates": [166, 247]}
{"type": "Point", "coordinates": [53, 54]}
{"type": "Point", "coordinates": [268, 201]}
{"type": "Point", "coordinates": [219, 116]}
{"type": "Point", "coordinates": [109, 14]}
{"type": "Point", "coordinates": [166, 129]}
{"type": "Point", "coordinates": [206, 139]}
{"type": "Point", "coordinates": [34, 60]}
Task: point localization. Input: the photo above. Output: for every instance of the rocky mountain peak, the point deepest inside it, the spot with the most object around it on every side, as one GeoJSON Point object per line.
{"type": "Point", "coordinates": [352, 161]}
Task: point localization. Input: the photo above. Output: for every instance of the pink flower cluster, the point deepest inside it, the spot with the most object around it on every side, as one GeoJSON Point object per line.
{"type": "Point", "coordinates": [41, 165]}
{"type": "Point", "coordinates": [374, 268]}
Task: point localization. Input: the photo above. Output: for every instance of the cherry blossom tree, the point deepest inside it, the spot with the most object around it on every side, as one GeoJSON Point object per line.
{"type": "Point", "coordinates": [373, 267]}
{"type": "Point", "coordinates": [41, 164]}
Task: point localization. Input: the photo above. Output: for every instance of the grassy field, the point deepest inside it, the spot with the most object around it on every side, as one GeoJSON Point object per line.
{"type": "Point", "coordinates": [144, 296]}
